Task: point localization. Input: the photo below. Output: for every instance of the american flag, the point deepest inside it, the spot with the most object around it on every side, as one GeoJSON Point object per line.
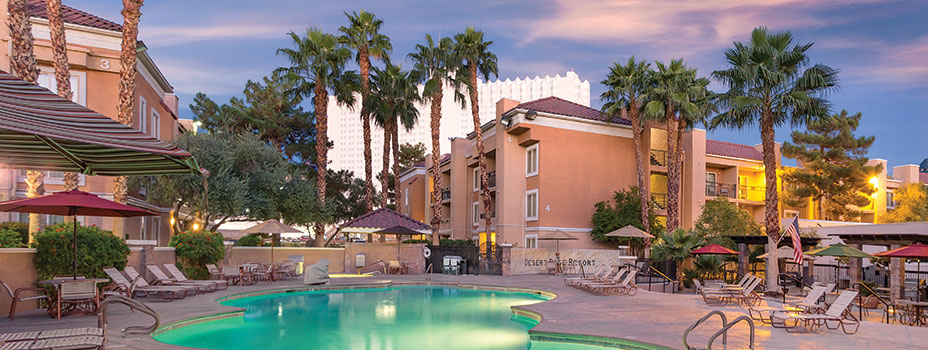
{"type": "Point", "coordinates": [793, 231]}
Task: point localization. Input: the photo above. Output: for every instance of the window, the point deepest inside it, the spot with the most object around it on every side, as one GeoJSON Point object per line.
{"type": "Point", "coordinates": [790, 213]}
{"type": "Point", "coordinates": [531, 241]}
{"type": "Point", "coordinates": [55, 219]}
{"type": "Point", "coordinates": [531, 205]}
{"type": "Point", "coordinates": [476, 214]}
{"type": "Point", "coordinates": [890, 199]}
{"type": "Point", "coordinates": [531, 160]}
{"type": "Point", "coordinates": [143, 229]}
{"type": "Point", "coordinates": [710, 177]}
{"type": "Point", "coordinates": [155, 227]}
{"type": "Point", "coordinates": [47, 80]}
{"type": "Point", "coordinates": [155, 125]}
{"type": "Point", "coordinates": [143, 115]}
{"type": "Point", "coordinates": [406, 197]}
{"type": "Point", "coordinates": [476, 179]}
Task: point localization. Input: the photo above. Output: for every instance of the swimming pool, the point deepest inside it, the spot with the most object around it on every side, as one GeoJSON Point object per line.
{"type": "Point", "coordinates": [389, 318]}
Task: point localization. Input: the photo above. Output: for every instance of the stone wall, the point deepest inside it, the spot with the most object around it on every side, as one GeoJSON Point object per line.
{"type": "Point", "coordinates": [528, 261]}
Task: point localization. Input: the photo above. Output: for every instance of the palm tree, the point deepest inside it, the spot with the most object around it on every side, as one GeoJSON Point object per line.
{"type": "Point", "coordinates": [476, 57]}
{"type": "Point", "coordinates": [676, 246]}
{"type": "Point", "coordinates": [770, 83]}
{"type": "Point", "coordinates": [131, 12]}
{"type": "Point", "coordinates": [62, 67]}
{"type": "Point", "coordinates": [435, 65]}
{"type": "Point", "coordinates": [667, 94]}
{"type": "Point", "coordinates": [317, 67]}
{"type": "Point", "coordinates": [393, 104]}
{"type": "Point", "coordinates": [627, 92]}
{"type": "Point", "coordinates": [363, 35]}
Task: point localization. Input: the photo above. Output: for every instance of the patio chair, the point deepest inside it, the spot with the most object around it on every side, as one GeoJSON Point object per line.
{"type": "Point", "coordinates": [230, 273]}
{"type": "Point", "coordinates": [16, 298]}
{"type": "Point", "coordinates": [606, 278]}
{"type": "Point", "coordinates": [163, 279]}
{"type": "Point", "coordinates": [134, 275]}
{"type": "Point", "coordinates": [712, 297]}
{"type": "Point", "coordinates": [747, 295]}
{"type": "Point", "coordinates": [178, 277]}
{"type": "Point", "coordinates": [837, 312]}
{"type": "Point", "coordinates": [596, 274]}
{"type": "Point", "coordinates": [619, 284]}
{"type": "Point", "coordinates": [550, 267]}
{"type": "Point", "coordinates": [808, 304]}
{"type": "Point", "coordinates": [131, 289]}
{"type": "Point", "coordinates": [812, 304]}
{"type": "Point", "coordinates": [78, 293]}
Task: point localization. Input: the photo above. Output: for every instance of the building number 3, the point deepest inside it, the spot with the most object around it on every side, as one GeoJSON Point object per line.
{"type": "Point", "coordinates": [105, 64]}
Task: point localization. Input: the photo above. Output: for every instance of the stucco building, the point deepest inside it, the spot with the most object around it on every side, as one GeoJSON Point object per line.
{"type": "Point", "coordinates": [93, 52]}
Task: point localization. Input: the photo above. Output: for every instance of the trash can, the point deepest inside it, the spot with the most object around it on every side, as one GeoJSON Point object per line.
{"type": "Point", "coordinates": [451, 265]}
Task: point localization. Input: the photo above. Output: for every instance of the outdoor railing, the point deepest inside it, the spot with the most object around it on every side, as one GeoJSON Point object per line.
{"type": "Point", "coordinates": [660, 200]}
{"type": "Point", "coordinates": [484, 215]}
{"type": "Point", "coordinates": [664, 280]}
{"type": "Point", "coordinates": [658, 157]}
{"type": "Point", "coordinates": [860, 301]}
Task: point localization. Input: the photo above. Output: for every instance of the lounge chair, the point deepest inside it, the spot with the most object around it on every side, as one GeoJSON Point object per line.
{"type": "Point", "coordinates": [837, 312]}
{"type": "Point", "coordinates": [179, 276]}
{"type": "Point", "coordinates": [747, 295]}
{"type": "Point", "coordinates": [712, 297]}
{"type": "Point", "coordinates": [40, 294]}
{"type": "Point", "coordinates": [134, 275]}
{"type": "Point", "coordinates": [804, 306]}
{"type": "Point", "coordinates": [606, 278]}
{"type": "Point", "coordinates": [596, 274]}
{"type": "Point", "coordinates": [625, 286]}
{"type": "Point", "coordinates": [56, 333]}
{"type": "Point", "coordinates": [204, 285]}
{"type": "Point", "coordinates": [68, 343]}
{"type": "Point", "coordinates": [812, 304]}
{"type": "Point", "coordinates": [131, 289]}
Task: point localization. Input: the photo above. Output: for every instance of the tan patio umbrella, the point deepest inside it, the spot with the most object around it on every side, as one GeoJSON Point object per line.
{"type": "Point", "coordinates": [630, 231]}
{"type": "Point", "coordinates": [272, 227]}
{"type": "Point", "coordinates": [557, 236]}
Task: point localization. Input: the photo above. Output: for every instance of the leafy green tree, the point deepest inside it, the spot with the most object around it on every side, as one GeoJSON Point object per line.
{"type": "Point", "coordinates": [720, 217]}
{"type": "Point", "coordinates": [363, 35]}
{"type": "Point", "coordinates": [393, 104]}
{"type": "Point", "coordinates": [676, 246]}
{"type": "Point", "coordinates": [911, 204]}
{"type": "Point", "coordinates": [833, 170]}
{"type": "Point", "coordinates": [10, 238]}
{"type": "Point", "coordinates": [474, 53]}
{"type": "Point", "coordinates": [410, 155]}
{"type": "Point", "coordinates": [195, 249]}
{"type": "Point", "coordinates": [317, 68]}
{"type": "Point", "coordinates": [434, 66]}
{"type": "Point", "coordinates": [624, 209]}
{"type": "Point", "coordinates": [770, 84]}
{"type": "Point", "coordinates": [627, 89]}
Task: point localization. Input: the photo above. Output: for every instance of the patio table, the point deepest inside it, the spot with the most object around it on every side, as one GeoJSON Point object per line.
{"type": "Point", "coordinates": [56, 283]}
{"type": "Point", "coordinates": [919, 310]}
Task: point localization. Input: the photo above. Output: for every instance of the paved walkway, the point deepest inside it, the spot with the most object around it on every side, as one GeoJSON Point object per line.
{"type": "Point", "coordinates": [649, 317]}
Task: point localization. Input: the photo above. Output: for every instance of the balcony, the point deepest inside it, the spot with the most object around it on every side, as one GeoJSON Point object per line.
{"type": "Point", "coordinates": [446, 193]}
{"type": "Point", "coordinates": [484, 215]}
{"type": "Point", "coordinates": [658, 157]}
{"type": "Point", "coordinates": [445, 221]}
{"type": "Point", "coordinates": [491, 179]}
{"type": "Point", "coordinates": [660, 200]}
{"type": "Point", "coordinates": [744, 192]}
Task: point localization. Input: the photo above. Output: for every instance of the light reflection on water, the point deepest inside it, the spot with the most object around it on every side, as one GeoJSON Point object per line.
{"type": "Point", "coordinates": [378, 319]}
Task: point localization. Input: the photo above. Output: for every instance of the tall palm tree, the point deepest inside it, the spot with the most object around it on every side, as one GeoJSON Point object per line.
{"type": "Point", "coordinates": [62, 67]}
{"type": "Point", "coordinates": [435, 64]}
{"type": "Point", "coordinates": [667, 94]}
{"type": "Point", "coordinates": [22, 59]}
{"type": "Point", "coordinates": [475, 56]}
{"type": "Point", "coordinates": [317, 67]}
{"type": "Point", "coordinates": [627, 92]}
{"type": "Point", "coordinates": [363, 35]}
{"type": "Point", "coordinates": [393, 104]}
{"type": "Point", "coordinates": [770, 83]}
{"type": "Point", "coordinates": [131, 12]}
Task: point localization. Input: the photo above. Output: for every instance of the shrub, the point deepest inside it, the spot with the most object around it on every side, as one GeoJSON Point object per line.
{"type": "Point", "coordinates": [248, 241]}
{"type": "Point", "coordinates": [418, 241]}
{"type": "Point", "coordinates": [21, 228]}
{"type": "Point", "coordinates": [10, 239]}
{"type": "Point", "coordinates": [196, 249]}
{"type": "Point", "coordinates": [96, 249]}
{"type": "Point", "coordinates": [456, 242]}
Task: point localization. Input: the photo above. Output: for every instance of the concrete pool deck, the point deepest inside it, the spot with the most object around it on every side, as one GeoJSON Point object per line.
{"type": "Point", "coordinates": [648, 317]}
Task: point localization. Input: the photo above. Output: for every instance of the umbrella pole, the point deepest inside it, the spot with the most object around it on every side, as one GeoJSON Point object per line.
{"type": "Point", "coordinates": [73, 212]}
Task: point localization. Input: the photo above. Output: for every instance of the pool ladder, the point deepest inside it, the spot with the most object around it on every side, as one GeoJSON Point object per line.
{"type": "Point", "coordinates": [721, 332]}
{"type": "Point", "coordinates": [429, 272]}
{"type": "Point", "coordinates": [133, 305]}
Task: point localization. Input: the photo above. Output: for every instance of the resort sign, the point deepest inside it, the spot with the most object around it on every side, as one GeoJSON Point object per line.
{"type": "Point", "coordinates": [532, 261]}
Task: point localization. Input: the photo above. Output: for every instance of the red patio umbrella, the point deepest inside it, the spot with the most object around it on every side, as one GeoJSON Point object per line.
{"type": "Point", "coordinates": [72, 203]}
{"type": "Point", "coordinates": [715, 249]}
{"type": "Point", "coordinates": [917, 250]}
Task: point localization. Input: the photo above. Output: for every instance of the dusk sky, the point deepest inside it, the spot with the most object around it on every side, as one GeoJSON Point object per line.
{"type": "Point", "coordinates": [880, 47]}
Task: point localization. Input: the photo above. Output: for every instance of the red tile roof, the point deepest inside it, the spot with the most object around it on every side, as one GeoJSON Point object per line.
{"type": "Point", "coordinates": [923, 178]}
{"type": "Point", "coordinates": [74, 16]}
{"type": "Point", "coordinates": [555, 105]}
{"type": "Point", "coordinates": [734, 150]}
{"type": "Point", "coordinates": [385, 218]}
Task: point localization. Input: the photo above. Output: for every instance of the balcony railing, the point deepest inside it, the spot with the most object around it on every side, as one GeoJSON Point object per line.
{"type": "Point", "coordinates": [658, 157]}
{"type": "Point", "coordinates": [484, 215]}
{"type": "Point", "coordinates": [719, 189]}
{"type": "Point", "coordinates": [446, 193]}
{"type": "Point", "coordinates": [491, 179]}
{"type": "Point", "coordinates": [660, 200]}
{"type": "Point", "coordinates": [445, 221]}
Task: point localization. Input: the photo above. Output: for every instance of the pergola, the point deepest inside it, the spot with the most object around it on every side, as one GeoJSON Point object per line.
{"type": "Point", "coordinates": [891, 236]}
{"type": "Point", "coordinates": [744, 241]}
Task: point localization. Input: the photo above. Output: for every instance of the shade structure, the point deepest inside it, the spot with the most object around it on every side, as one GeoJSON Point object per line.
{"type": "Point", "coordinates": [557, 236]}
{"type": "Point", "coordinates": [783, 253]}
{"type": "Point", "coordinates": [41, 131]}
{"type": "Point", "coordinates": [630, 231]}
{"type": "Point", "coordinates": [715, 249]}
{"type": "Point", "coordinates": [838, 250]}
{"type": "Point", "coordinates": [399, 231]}
{"type": "Point", "coordinates": [273, 227]}
{"type": "Point", "coordinates": [917, 250]}
{"type": "Point", "coordinates": [73, 203]}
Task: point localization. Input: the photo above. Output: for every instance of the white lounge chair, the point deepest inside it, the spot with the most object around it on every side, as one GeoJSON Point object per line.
{"type": "Point", "coordinates": [179, 276]}
{"type": "Point", "coordinates": [806, 305]}
{"type": "Point", "coordinates": [598, 273]}
{"type": "Point", "coordinates": [134, 275]}
{"type": "Point", "coordinates": [837, 312]}
{"type": "Point", "coordinates": [130, 289]}
{"type": "Point", "coordinates": [202, 286]}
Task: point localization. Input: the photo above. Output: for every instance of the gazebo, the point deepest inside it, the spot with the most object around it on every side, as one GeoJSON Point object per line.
{"type": "Point", "coordinates": [380, 219]}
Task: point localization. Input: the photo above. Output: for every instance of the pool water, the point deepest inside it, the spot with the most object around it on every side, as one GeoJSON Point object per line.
{"type": "Point", "coordinates": [395, 318]}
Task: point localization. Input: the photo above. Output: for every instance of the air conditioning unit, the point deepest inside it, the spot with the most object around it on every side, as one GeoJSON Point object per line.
{"type": "Point", "coordinates": [359, 260]}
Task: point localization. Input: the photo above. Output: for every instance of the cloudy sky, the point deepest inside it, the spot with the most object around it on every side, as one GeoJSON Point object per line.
{"type": "Point", "coordinates": [880, 47]}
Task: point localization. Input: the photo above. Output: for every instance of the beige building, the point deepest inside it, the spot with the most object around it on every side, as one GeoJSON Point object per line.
{"type": "Point", "coordinates": [93, 53]}
{"type": "Point", "coordinates": [551, 160]}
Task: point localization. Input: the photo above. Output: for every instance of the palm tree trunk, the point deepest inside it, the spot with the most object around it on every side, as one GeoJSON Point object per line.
{"type": "Point", "coordinates": [397, 195]}
{"type": "Point", "coordinates": [481, 153]}
{"type": "Point", "coordinates": [771, 201]}
{"type": "Point", "coordinates": [22, 59]}
{"type": "Point", "coordinates": [385, 171]}
{"type": "Point", "coordinates": [435, 170]}
{"type": "Point", "coordinates": [126, 105]}
{"type": "Point", "coordinates": [322, 154]}
{"type": "Point", "coordinates": [678, 173]}
{"type": "Point", "coordinates": [673, 190]}
{"type": "Point", "coordinates": [639, 164]}
{"type": "Point", "coordinates": [365, 65]}
{"type": "Point", "coordinates": [62, 71]}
